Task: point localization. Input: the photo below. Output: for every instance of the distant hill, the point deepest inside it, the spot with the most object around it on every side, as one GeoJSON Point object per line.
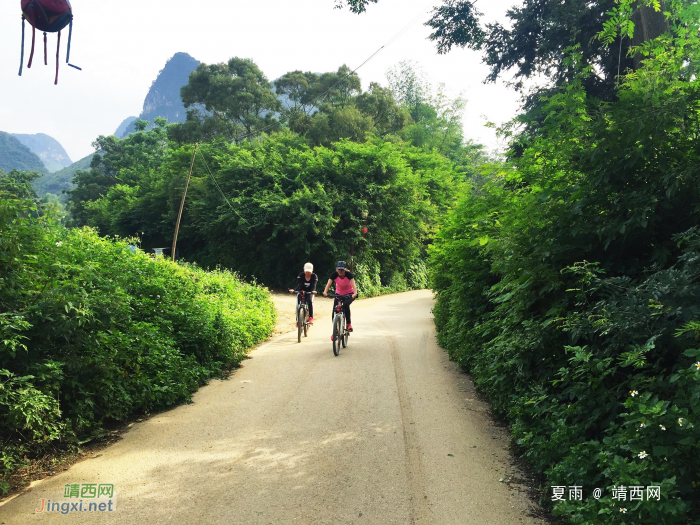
{"type": "Point", "coordinates": [121, 130]}
{"type": "Point", "coordinates": [61, 180]}
{"type": "Point", "coordinates": [48, 149]}
{"type": "Point", "coordinates": [163, 99]}
{"type": "Point", "coordinates": [15, 155]}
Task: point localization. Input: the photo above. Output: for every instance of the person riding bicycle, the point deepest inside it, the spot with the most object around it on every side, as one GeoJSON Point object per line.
{"type": "Point", "coordinates": [344, 285]}
{"type": "Point", "coordinates": [306, 281]}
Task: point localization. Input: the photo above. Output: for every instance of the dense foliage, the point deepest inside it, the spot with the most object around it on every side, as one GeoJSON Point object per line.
{"type": "Point", "coordinates": [267, 207]}
{"type": "Point", "coordinates": [93, 330]}
{"type": "Point", "coordinates": [567, 282]}
{"type": "Point", "coordinates": [389, 159]}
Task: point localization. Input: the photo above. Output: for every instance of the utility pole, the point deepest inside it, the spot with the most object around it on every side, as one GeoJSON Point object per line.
{"type": "Point", "coordinates": [182, 203]}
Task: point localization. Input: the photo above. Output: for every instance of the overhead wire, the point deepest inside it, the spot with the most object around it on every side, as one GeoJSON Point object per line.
{"type": "Point", "coordinates": [201, 155]}
{"type": "Point", "coordinates": [320, 97]}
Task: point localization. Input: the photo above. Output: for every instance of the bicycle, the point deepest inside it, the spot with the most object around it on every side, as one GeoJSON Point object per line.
{"type": "Point", "coordinates": [302, 315]}
{"type": "Point", "coordinates": [340, 329]}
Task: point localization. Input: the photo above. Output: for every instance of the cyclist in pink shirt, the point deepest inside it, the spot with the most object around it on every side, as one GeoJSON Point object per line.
{"type": "Point", "coordinates": [344, 285]}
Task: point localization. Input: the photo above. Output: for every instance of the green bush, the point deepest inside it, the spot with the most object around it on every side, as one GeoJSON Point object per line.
{"type": "Point", "coordinates": [93, 331]}
{"type": "Point", "coordinates": [369, 277]}
{"type": "Point", "coordinates": [567, 281]}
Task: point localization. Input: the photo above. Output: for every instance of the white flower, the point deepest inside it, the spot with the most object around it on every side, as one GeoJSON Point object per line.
{"type": "Point", "coordinates": [634, 393]}
{"type": "Point", "coordinates": [642, 455]}
{"type": "Point", "coordinates": [680, 421]}
{"type": "Point", "coordinates": [59, 243]}
{"type": "Point", "coordinates": [642, 425]}
{"type": "Point", "coordinates": [697, 365]}
{"type": "Point", "coordinates": [624, 510]}
{"type": "Point", "coordinates": [662, 427]}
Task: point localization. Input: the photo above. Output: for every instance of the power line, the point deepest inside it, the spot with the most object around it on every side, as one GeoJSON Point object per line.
{"type": "Point", "coordinates": [319, 97]}
{"type": "Point", "coordinates": [201, 155]}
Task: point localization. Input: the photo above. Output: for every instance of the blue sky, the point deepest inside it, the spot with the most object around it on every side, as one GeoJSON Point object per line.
{"type": "Point", "coordinates": [121, 51]}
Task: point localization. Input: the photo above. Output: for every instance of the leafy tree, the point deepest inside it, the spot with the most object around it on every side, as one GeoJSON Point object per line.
{"type": "Point", "coordinates": [236, 94]}
{"type": "Point", "coordinates": [539, 32]}
{"type": "Point", "coordinates": [308, 203]}
{"type": "Point", "coordinates": [120, 162]}
{"type": "Point", "coordinates": [18, 184]}
{"type": "Point", "coordinates": [329, 107]}
{"type": "Point", "coordinates": [436, 119]}
{"type": "Point", "coordinates": [378, 103]}
{"type": "Point", "coordinates": [286, 201]}
{"type": "Point", "coordinates": [456, 23]}
{"type": "Point", "coordinates": [300, 90]}
{"type": "Point", "coordinates": [356, 6]}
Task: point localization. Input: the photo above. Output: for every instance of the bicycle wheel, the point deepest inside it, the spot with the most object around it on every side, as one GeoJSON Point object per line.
{"type": "Point", "coordinates": [306, 320]}
{"type": "Point", "coordinates": [345, 333]}
{"type": "Point", "coordinates": [337, 334]}
{"type": "Point", "coordinates": [300, 322]}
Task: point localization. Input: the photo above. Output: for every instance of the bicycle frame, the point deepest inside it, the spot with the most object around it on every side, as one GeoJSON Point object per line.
{"type": "Point", "coordinates": [339, 311]}
{"type": "Point", "coordinates": [303, 309]}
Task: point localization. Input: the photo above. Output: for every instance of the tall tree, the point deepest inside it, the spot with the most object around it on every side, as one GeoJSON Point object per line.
{"type": "Point", "coordinates": [118, 162]}
{"type": "Point", "coordinates": [18, 184]}
{"type": "Point", "coordinates": [237, 94]}
{"type": "Point", "coordinates": [539, 33]}
{"type": "Point", "coordinates": [436, 119]}
{"type": "Point", "coordinates": [299, 90]}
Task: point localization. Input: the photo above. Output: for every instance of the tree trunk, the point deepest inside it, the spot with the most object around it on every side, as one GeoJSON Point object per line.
{"type": "Point", "coordinates": [648, 24]}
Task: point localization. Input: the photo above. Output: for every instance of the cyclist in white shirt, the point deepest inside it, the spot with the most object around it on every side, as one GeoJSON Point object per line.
{"type": "Point", "coordinates": [306, 281]}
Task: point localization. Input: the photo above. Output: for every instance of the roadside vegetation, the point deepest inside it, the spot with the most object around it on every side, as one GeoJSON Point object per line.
{"type": "Point", "coordinates": [93, 332]}
{"type": "Point", "coordinates": [567, 276]}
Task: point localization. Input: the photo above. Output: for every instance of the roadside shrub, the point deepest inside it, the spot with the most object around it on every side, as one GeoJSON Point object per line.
{"type": "Point", "coordinates": [368, 277]}
{"type": "Point", "coordinates": [92, 330]}
{"type": "Point", "coordinates": [567, 285]}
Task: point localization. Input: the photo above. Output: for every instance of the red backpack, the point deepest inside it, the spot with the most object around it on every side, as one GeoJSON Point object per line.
{"type": "Point", "coordinates": [49, 16]}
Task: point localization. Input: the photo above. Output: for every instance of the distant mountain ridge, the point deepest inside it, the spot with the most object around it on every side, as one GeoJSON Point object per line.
{"type": "Point", "coordinates": [61, 180]}
{"type": "Point", "coordinates": [15, 155]}
{"type": "Point", "coordinates": [48, 149]}
{"type": "Point", "coordinates": [163, 98]}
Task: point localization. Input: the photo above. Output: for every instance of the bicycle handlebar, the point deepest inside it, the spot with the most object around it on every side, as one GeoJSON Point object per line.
{"type": "Point", "coordinates": [346, 296]}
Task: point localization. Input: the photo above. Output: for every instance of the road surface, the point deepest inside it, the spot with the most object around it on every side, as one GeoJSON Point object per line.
{"type": "Point", "coordinates": [389, 432]}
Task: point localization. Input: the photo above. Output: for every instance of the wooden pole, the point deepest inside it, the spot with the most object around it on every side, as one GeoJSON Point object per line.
{"type": "Point", "coordinates": [182, 203]}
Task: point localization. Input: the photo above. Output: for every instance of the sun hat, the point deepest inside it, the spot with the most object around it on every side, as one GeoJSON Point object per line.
{"type": "Point", "coordinates": [308, 267]}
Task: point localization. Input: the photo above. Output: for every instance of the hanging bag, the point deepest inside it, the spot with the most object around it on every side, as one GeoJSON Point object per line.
{"type": "Point", "coordinates": [49, 16]}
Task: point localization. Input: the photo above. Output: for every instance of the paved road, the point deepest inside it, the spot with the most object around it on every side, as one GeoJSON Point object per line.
{"type": "Point", "coordinates": [386, 433]}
